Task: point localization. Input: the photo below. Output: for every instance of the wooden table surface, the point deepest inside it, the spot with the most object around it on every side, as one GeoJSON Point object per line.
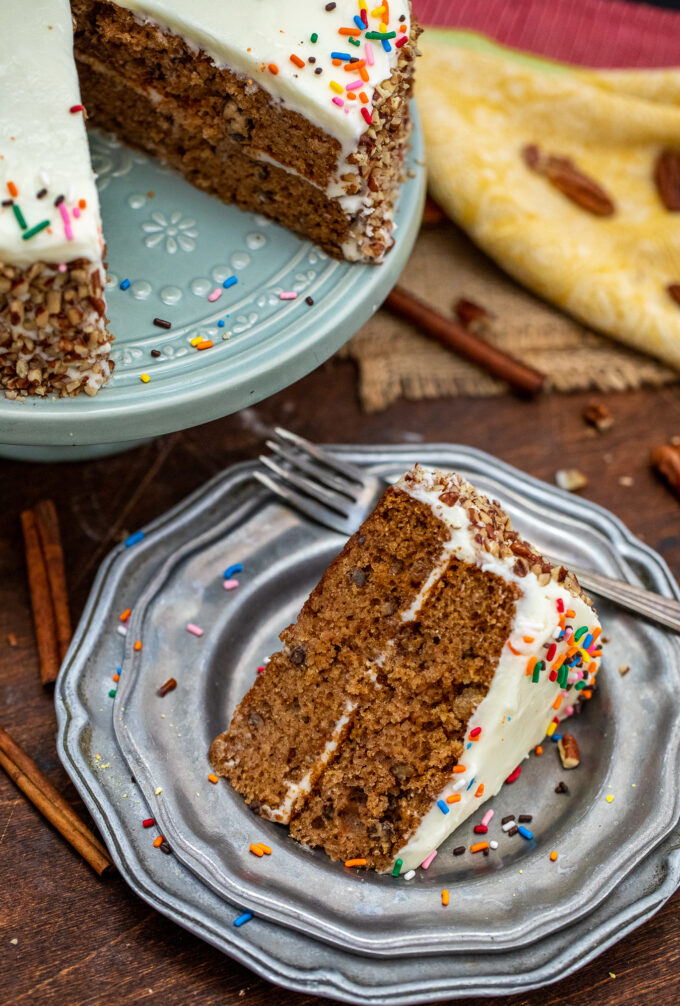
{"type": "Point", "coordinates": [67, 936]}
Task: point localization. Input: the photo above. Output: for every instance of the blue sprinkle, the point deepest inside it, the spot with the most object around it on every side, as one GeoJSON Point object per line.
{"type": "Point", "coordinates": [442, 806]}
{"type": "Point", "coordinates": [468, 745]}
{"type": "Point", "coordinates": [358, 22]}
{"type": "Point", "coordinates": [233, 570]}
{"type": "Point", "coordinates": [587, 641]}
{"type": "Point", "coordinates": [555, 738]}
{"type": "Point", "coordinates": [242, 919]}
{"type": "Point", "coordinates": [386, 45]}
{"type": "Point", "coordinates": [134, 538]}
{"type": "Point", "coordinates": [471, 781]}
{"type": "Point", "coordinates": [509, 718]}
{"type": "Point", "coordinates": [125, 284]}
{"type": "Point", "coordinates": [341, 55]}
{"type": "Point", "coordinates": [231, 281]}
{"type": "Point", "coordinates": [220, 324]}
{"type": "Point", "coordinates": [524, 832]}
{"type": "Point", "coordinates": [119, 670]}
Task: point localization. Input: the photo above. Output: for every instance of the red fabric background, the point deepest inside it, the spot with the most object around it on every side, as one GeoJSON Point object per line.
{"type": "Point", "coordinates": [603, 33]}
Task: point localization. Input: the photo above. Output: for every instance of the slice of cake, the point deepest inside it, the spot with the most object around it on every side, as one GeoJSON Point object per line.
{"type": "Point", "coordinates": [435, 653]}
{"type": "Point", "coordinates": [297, 110]}
{"type": "Point", "coordinates": [53, 337]}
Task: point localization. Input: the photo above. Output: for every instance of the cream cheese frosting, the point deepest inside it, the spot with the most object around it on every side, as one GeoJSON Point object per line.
{"type": "Point", "coordinates": [44, 154]}
{"type": "Point", "coordinates": [517, 711]}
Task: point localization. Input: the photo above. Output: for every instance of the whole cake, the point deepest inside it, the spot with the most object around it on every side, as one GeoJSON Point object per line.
{"type": "Point", "coordinates": [294, 109]}
{"type": "Point", "coordinates": [435, 653]}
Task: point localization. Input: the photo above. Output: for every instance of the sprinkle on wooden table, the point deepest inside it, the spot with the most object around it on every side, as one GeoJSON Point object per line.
{"type": "Point", "coordinates": [213, 778]}
{"type": "Point", "coordinates": [195, 630]}
{"type": "Point", "coordinates": [445, 898]}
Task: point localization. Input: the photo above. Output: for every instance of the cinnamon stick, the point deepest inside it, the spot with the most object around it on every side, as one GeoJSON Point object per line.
{"type": "Point", "coordinates": [41, 600]}
{"type": "Point", "coordinates": [50, 540]}
{"type": "Point", "coordinates": [445, 331]}
{"type": "Point", "coordinates": [23, 771]}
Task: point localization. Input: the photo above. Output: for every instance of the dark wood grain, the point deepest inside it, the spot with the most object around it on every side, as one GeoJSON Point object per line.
{"type": "Point", "coordinates": [88, 941]}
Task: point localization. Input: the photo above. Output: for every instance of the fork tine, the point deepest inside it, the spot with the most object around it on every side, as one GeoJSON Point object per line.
{"type": "Point", "coordinates": [331, 499]}
{"type": "Point", "coordinates": [320, 514]}
{"type": "Point", "coordinates": [342, 467]}
{"type": "Point", "coordinates": [303, 462]}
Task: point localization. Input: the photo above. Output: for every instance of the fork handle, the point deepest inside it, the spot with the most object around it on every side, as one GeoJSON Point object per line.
{"type": "Point", "coordinates": [659, 609]}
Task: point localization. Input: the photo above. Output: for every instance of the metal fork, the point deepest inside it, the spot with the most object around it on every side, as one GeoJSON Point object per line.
{"type": "Point", "coordinates": [340, 495]}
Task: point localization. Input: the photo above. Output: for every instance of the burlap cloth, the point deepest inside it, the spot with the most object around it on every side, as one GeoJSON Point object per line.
{"type": "Point", "coordinates": [394, 361]}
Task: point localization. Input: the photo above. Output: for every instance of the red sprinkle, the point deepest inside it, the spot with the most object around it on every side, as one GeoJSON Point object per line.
{"type": "Point", "coordinates": [75, 108]}
{"type": "Point", "coordinates": [481, 829]}
{"type": "Point", "coordinates": [475, 733]}
{"type": "Point", "coordinates": [551, 651]}
{"type": "Point", "coordinates": [553, 675]}
{"type": "Point", "coordinates": [560, 605]}
{"type": "Point", "coordinates": [514, 776]}
{"type": "Point", "coordinates": [148, 823]}
{"type": "Point", "coordinates": [401, 41]}
{"type": "Point", "coordinates": [366, 114]}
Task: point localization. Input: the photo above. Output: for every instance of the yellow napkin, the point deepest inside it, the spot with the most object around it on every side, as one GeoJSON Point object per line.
{"type": "Point", "coordinates": [480, 104]}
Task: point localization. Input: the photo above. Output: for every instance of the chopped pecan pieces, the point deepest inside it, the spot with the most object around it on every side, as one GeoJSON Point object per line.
{"type": "Point", "coordinates": [571, 479]}
{"type": "Point", "coordinates": [567, 746]}
{"type": "Point", "coordinates": [598, 415]}
{"type": "Point", "coordinates": [563, 175]}
{"type": "Point", "coordinates": [667, 178]}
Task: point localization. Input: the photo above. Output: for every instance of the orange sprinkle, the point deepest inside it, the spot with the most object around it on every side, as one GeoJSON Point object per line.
{"type": "Point", "coordinates": [557, 703]}
{"type": "Point", "coordinates": [273, 68]}
{"type": "Point", "coordinates": [558, 663]}
{"type": "Point", "coordinates": [445, 898]}
{"type": "Point", "coordinates": [82, 203]}
{"type": "Point", "coordinates": [351, 96]}
{"type": "Point", "coordinates": [363, 98]}
{"type": "Point", "coordinates": [124, 615]}
{"type": "Point", "coordinates": [353, 67]}
{"type": "Point", "coordinates": [595, 633]}
{"type": "Point", "coordinates": [553, 856]}
{"type": "Point", "coordinates": [480, 790]}
{"type": "Point", "coordinates": [531, 663]}
{"type": "Point", "coordinates": [138, 645]}
{"type": "Point", "coordinates": [337, 62]}
{"type": "Point", "coordinates": [454, 798]}
{"type": "Point", "coordinates": [596, 653]}
{"type": "Point", "coordinates": [158, 841]}
{"type": "Point", "coordinates": [204, 344]}
{"type": "Point", "coordinates": [355, 862]}
{"type": "Point", "coordinates": [296, 59]}
{"type": "Point", "coordinates": [265, 848]}
{"type": "Point", "coordinates": [539, 750]}
{"type": "Point", "coordinates": [458, 768]}
{"type": "Point", "coordinates": [213, 778]}
{"type": "Point", "coordinates": [586, 693]}
{"type": "Point", "coordinates": [256, 850]}
{"type": "Point", "coordinates": [402, 28]}
{"type": "Point", "coordinates": [116, 677]}
{"type": "Point", "coordinates": [478, 846]}
{"type": "Point", "coordinates": [570, 613]}
{"type": "Point", "coordinates": [12, 189]}
{"type": "Point", "coordinates": [528, 639]}
{"type": "Point", "coordinates": [513, 650]}
{"type": "Point", "coordinates": [572, 650]}
{"type": "Point", "coordinates": [349, 31]}
{"type": "Point", "coordinates": [363, 73]}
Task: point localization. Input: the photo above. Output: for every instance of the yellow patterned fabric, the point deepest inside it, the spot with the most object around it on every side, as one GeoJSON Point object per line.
{"type": "Point", "coordinates": [480, 104]}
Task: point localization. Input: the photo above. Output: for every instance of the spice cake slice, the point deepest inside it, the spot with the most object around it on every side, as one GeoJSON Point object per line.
{"type": "Point", "coordinates": [294, 109]}
{"type": "Point", "coordinates": [53, 337]}
{"type": "Point", "coordinates": [435, 653]}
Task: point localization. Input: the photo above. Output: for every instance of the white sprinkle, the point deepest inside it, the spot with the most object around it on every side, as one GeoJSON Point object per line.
{"type": "Point", "coordinates": [195, 630]}
{"type": "Point", "coordinates": [493, 845]}
{"type": "Point", "coordinates": [461, 784]}
{"type": "Point", "coordinates": [508, 825]}
{"type": "Point", "coordinates": [410, 875]}
{"type": "Point", "coordinates": [121, 630]}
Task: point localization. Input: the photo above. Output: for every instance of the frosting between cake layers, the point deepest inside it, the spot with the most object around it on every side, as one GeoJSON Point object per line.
{"type": "Point", "coordinates": [516, 712]}
{"type": "Point", "coordinates": [43, 145]}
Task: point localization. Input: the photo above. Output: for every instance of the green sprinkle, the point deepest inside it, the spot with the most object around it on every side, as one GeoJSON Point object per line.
{"type": "Point", "coordinates": [396, 869]}
{"type": "Point", "coordinates": [563, 676]}
{"type": "Point", "coordinates": [20, 217]}
{"type": "Point", "coordinates": [580, 632]}
{"type": "Point", "coordinates": [112, 693]}
{"type": "Point", "coordinates": [35, 230]}
{"type": "Point", "coordinates": [580, 685]}
{"type": "Point", "coordinates": [353, 41]}
{"type": "Point", "coordinates": [314, 37]}
{"type": "Point", "coordinates": [380, 34]}
{"type": "Point", "coordinates": [536, 676]}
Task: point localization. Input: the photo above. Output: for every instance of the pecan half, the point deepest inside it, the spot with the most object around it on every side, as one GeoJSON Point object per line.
{"type": "Point", "coordinates": [563, 175]}
{"type": "Point", "coordinates": [667, 178]}
{"type": "Point", "coordinates": [567, 746]}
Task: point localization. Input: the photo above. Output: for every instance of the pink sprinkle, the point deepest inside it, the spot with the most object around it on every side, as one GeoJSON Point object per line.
{"type": "Point", "coordinates": [288, 295]}
{"type": "Point", "coordinates": [401, 41]}
{"type": "Point", "coordinates": [569, 711]}
{"type": "Point", "coordinates": [366, 114]}
{"type": "Point", "coordinates": [215, 295]}
{"type": "Point", "coordinates": [354, 85]}
{"type": "Point", "coordinates": [195, 630]}
{"type": "Point", "coordinates": [338, 101]}
{"type": "Point", "coordinates": [487, 817]}
{"type": "Point", "coordinates": [61, 267]}
{"type": "Point", "coordinates": [230, 584]}
{"type": "Point", "coordinates": [426, 862]}
{"type": "Point", "coordinates": [67, 222]}
{"type": "Point", "coordinates": [368, 48]}
{"type": "Point", "coordinates": [593, 646]}
{"type": "Point", "coordinates": [76, 211]}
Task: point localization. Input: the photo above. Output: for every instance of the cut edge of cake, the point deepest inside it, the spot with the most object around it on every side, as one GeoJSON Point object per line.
{"type": "Point", "coordinates": [394, 746]}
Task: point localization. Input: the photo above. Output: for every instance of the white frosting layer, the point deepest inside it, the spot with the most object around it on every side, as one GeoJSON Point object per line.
{"type": "Point", "coordinates": [516, 712]}
{"type": "Point", "coordinates": [42, 144]}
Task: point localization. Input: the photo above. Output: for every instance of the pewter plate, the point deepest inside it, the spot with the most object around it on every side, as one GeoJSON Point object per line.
{"type": "Point", "coordinates": [629, 736]}
{"type": "Point", "coordinates": [176, 245]}
{"type": "Point", "coordinates": [92, 758]}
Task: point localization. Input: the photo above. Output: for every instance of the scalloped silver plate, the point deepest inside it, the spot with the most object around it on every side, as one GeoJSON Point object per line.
{"type": "Point", "coordinates": [513, 897]}
{"type": "Point", "coordinates": [89, 751]}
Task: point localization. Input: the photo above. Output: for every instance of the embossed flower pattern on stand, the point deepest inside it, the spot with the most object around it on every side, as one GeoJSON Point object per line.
{"type": "Point", "coordinates": [175, 230]}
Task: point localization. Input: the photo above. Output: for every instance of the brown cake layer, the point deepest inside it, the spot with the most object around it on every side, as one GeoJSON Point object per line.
{"type": "Point", "coordinates": [53, 337]}
{"type": "Point", "coordinates": [402, 691]}
{"type": "Point", "coordinates": [222, 130]}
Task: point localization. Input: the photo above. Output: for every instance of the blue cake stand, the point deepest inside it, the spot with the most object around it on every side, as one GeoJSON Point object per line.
{"type": "Point", "coordinates": [176, 246]}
